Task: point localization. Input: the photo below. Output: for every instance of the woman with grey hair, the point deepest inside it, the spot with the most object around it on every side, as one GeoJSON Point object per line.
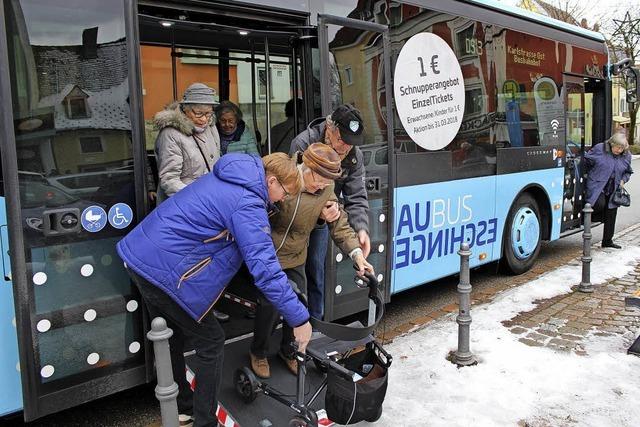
{"type": "Point", "coordinates": [188, 145]}
{"type": "Point", "coordinates": [234, 135]}
{"type": "Point", "coordinates": [608, 166]}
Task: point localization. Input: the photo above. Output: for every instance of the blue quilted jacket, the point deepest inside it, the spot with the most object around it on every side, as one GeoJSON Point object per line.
{"type": "Point", "coordinates": [194, 243]}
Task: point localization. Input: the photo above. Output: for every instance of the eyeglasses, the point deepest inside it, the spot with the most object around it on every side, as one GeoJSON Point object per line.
{"type": "Point", "coordinates": [286, 193]}
{"type": "Point", "coordinates": [201, 114]}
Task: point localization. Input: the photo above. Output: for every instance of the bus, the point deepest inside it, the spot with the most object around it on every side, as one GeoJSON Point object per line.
{"type": "Point", "coordinates": [477, 116]}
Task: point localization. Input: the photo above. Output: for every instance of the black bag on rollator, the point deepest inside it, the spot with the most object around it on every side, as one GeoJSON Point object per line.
{"type": "Point", "coordinates": [348, 401]}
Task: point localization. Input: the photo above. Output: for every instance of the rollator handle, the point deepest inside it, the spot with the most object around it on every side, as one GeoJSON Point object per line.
{"type": "Point", "coordinates": [368, 281]}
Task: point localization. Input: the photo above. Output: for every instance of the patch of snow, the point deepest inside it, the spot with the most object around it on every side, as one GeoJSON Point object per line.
{"type": "Point", "coordinates": [513, 381]}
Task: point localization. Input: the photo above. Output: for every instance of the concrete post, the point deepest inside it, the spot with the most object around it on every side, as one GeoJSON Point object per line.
{"type": "Point", "coordinates": [463, 356]}
{"type": "Point", "coordinates": [167, 389]}
{"type": "Point", "coordinates": [585, 285]}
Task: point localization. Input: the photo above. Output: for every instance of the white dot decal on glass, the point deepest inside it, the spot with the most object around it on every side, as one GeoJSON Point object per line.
{"type": "Point", "coordinates": [90, 315]}
{"type": "Point", "coordinates": [132, 306]}
{"type": "Point", "coordinates": [106, 260]}
{"type": "Point", "coordinates": [580, 179]}
{"type": "Point", "coordinates": [571, 216]}
{"type": "Point", "coordinates": [93, 358]}
{"type": "Point", "coordinates": [47, 371]}
{"type": "Point", "coordinates": [381, 248]}
{"type": "Point", "coordinates": [338, 289]}
{"type": "Point", "coordinates": [339, 257]}
{"type": "Point", "coordinates": [382, 217]}
{"type": "Point", "coordinates": [574, 180]}
{"type": "Point", "coordinates": [580, 198]}
{"type": "Point", "coordinates": [40, 278]}
{"type": "Point", "coordinates": [579, 215]}
{"type": "Point", "coordinates": [44, 325]}
{"type": "Point", "coordinates": [134, 347]}
{"type": "Point", "coordinates": [565, 218]}
{"type": "Point", "coordinates": [380, 277]}
{"type": "Point", "coordinates": [18, 366]}
{"type": "Point", "coordinates": [86, 270]}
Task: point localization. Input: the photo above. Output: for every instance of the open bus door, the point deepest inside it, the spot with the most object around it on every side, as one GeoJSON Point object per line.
{"type": "Point", "coordinates": [585, 113]}
{"type": "Point", "coordinates": [71, 194]}
{"type": "Point", "coordinates": [355, 69]}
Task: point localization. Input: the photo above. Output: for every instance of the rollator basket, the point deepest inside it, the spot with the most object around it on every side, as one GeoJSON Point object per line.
{"type": "Point", "coordinates": [348, 401]}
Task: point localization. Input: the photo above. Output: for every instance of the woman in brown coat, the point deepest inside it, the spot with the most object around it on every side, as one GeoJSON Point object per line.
{"type": "Point", "coordinates": [290, 231]}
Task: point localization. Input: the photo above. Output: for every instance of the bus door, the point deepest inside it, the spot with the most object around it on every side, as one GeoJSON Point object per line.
{"type": "Point", "coordinates": [71, 195]}
{"type": "Point", "coordinates": [579, 122]}
{"type": "Point", "coordinates": [254, 60]}
{"type": "Point", "coordinates": [355, 69]}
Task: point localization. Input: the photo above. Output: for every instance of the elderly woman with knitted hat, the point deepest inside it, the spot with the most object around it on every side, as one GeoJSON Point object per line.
{"type": "Point", "coordinates": [188, 145]}
{"type": "Point", "coordinates": [290, 231]}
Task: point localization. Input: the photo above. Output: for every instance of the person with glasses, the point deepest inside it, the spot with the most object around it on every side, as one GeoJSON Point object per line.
{"type": "Point", "coordinates": [342, 130]}
{"type": "Point", "coordinates": [234, 135]}
{"type": "Point", "coordinates": [184, 253]}
{"type": "Point", "coordinates": [187, 145]}
{"type": "Point", "coordinates": [291, 228]}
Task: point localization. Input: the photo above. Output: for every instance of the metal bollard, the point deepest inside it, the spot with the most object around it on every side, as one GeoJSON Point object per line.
{"type": "Point", "coordinates": [167, 389]}
{"type": "Point", "coordinates": [463, 356]}
{"type": "Point", "coordinates": [585, 285]}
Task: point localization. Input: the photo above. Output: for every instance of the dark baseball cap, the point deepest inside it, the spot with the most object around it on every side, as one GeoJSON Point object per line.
{"type": "Point", "coordinates": [349, 121]}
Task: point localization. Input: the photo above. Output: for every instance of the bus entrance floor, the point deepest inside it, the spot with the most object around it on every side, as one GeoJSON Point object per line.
{"type": "Point", "coordinates": [264, 411]}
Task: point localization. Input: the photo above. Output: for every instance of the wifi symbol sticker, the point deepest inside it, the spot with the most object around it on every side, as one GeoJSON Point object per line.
{"type": "Point", "coordinates": [555, 124]}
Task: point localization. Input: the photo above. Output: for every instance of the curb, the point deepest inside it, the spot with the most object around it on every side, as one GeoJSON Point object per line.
{"type": "Point", "coordinates": [486, 296]}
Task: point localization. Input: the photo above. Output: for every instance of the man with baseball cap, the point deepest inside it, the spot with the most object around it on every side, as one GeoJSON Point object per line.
{"type": "Point", "coordinates": [343, 130]}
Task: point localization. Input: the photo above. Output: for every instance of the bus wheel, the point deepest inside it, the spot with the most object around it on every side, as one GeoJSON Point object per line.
{"type": "Point", "coordinates": [522, 235]}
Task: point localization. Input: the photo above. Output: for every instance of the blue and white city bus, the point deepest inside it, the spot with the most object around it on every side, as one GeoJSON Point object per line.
{"type": "Point", "coordinates": [476, 116]}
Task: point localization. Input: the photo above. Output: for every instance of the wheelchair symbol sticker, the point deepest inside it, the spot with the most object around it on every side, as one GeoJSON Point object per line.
{"type": "Point", "coordinates": [120, 215]}
{"type": "Point", "coordinates": [93, 219]}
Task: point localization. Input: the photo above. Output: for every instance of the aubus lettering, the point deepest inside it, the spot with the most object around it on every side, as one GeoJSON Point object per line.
{"type": "Point", "coordinates": [402, 251]}
{"type": "Point", "coordinates": [436, 228]}
{"type": "Point", "coordinates": [439, 214]}
{"type": "Point", "coordinates": [423, 248]}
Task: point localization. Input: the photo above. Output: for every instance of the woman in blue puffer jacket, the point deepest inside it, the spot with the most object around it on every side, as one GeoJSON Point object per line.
{"type": "Point", "coordinates": [608, 166]}
{"type": "Point", "coordinates": [184, 253]}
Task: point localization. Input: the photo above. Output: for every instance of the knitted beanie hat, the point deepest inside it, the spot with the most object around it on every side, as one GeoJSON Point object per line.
{"type": "Point", "coordinates": [323, 160]}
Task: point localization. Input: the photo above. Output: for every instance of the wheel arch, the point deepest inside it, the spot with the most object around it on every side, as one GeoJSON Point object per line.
{"type": "Point", "coordinates": [541, 197]}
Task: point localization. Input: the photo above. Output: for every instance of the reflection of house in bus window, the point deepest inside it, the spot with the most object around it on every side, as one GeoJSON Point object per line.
{"type": "Point", "coordinates": [75, 103]}
{"type": "Point", "coordinates": [91, 144]}
{"type": "Point", "coordinates": [473, 101]}
{"type": "Point", "coordinates": [467, 44]}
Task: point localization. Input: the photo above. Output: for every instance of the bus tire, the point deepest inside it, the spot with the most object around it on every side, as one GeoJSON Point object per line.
{"type": "Point", "coordinates": [522, 235]}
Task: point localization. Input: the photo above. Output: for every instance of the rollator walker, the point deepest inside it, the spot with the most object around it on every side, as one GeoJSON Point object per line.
{"type": "Point", "coordinates": [354, 364]}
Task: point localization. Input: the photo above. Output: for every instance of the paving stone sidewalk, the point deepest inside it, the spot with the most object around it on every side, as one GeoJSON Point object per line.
{"type": "Point", "coordinates": [564, 322]}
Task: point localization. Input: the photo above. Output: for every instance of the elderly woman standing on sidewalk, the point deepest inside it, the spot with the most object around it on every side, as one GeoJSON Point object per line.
{"type": "Point", "coordinates": [608, 165]}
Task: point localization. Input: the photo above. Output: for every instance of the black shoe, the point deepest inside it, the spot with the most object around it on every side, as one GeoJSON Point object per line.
{"type": "Point", "coordinates": [222, 317]}
{"type": "Point", "coordinates": [610, 244]}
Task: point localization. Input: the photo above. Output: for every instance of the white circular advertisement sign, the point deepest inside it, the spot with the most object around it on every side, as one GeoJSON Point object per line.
{"type": "Point", "coordinates": [429, 91]}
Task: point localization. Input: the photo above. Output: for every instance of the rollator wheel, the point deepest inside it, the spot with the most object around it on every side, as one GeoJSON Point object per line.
{"type": "Point", "coordinates": [376, 416]}
{"type": "Point", "coordinates": [246, 384]}
{"type": "Point", "coordinates": [298, 422]}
